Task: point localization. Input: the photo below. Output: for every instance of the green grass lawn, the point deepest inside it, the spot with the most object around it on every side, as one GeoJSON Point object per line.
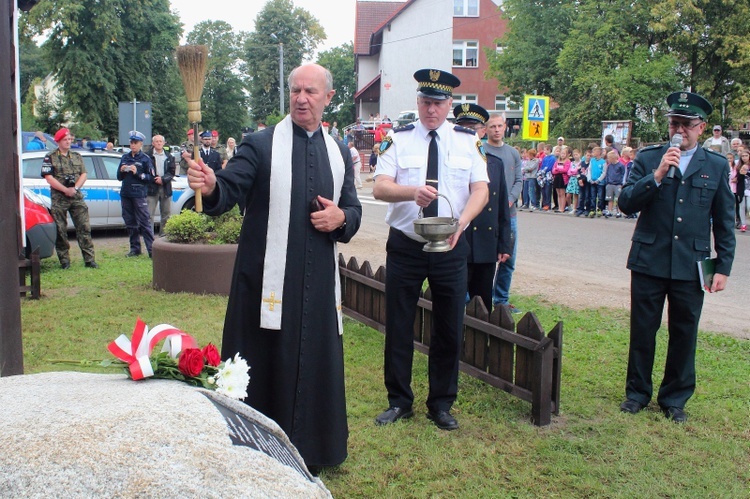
{"type": "Point", "coordinates": [590, 450]}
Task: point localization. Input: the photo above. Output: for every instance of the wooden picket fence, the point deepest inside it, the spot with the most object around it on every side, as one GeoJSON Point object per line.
{"type": "Point", "coordinates": [517, 358]}
{"type": "Point", "coordinates": [33, 266]}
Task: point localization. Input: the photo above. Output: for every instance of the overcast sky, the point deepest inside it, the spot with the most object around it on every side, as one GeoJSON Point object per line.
{"type": "Point", "coordinates": [336, 17]}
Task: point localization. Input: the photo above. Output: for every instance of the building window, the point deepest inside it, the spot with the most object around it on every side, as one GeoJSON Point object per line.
{"type": "Point", "coordinates": [465, 54]}
{"type": "Point", "coordinates": [464, 99]}
{"type": "Point", "coordinates": [503, 103]}
{"type": "Point", "coordinates": [465, 8]}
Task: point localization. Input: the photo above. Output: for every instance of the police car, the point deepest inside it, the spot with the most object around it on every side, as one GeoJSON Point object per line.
{"type": "Point", "coordinates": [101, 190]}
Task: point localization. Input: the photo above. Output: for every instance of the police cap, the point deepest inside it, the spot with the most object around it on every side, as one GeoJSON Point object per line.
{"type": "Point", "coordinates": [136, 135]}
{"type": "Point", "coordinates": [470, 114]}
{"type": "Point", "coordinates": [435, 84]}
{"type": "Point", "coordinates": [205, 135]}
{"type": "Point", "coordinates": [688, 105]}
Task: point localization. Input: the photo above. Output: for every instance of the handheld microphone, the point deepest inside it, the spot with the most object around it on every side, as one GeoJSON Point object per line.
{"type": "Point", "coordinates": [675, 142]}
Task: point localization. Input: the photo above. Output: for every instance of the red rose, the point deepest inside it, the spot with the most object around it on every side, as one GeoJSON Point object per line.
{"type": "Point", "coordinates": [211, 354]}
{"type": "Point", "coordinates": [191, 362]}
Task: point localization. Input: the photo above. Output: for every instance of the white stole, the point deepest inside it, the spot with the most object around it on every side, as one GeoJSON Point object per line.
{"type": "Point", "coordinates": [277, 235]}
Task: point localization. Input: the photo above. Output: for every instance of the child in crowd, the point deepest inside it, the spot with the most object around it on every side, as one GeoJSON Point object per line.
{"type": "Point", "coordinates": [614, 172]}
{"type": "Point", "coordinates": [529, 168]}
{"type": "Point", "coordinates": [544, 175]}
{"type": "Point", "coordinates": [741, 184]}
{"type": "Point", "coordinates": [572, 190]}
{"type": "Point", "coordinates": [374, 156]}
{"type": "Point", "coordinates": [597, 181]}
{"type": "Point", "coordinates": [560, 178]}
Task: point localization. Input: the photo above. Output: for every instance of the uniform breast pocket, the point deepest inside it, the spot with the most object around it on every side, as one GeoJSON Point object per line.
{"type": "Point", "coordinates": [410, 170]}
{"type": "Point", "coordinates": [702, 191]}
{"type": "Point", "coordinates": [459, 171]}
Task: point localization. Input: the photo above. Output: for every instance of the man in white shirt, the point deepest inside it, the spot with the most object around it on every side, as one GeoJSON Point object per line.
{"type": "Point", "coordinates": [416, 162]}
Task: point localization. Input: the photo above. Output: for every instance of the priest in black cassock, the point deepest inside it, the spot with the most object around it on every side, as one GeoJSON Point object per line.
{"type": "Point", "coordinates": [284, 310]}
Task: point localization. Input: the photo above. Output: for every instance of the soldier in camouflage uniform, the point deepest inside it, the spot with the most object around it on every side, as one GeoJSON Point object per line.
{"type": "Point", "coordinates": [64, 172]}
{"type": "Point", "coordinates": [186, 146]}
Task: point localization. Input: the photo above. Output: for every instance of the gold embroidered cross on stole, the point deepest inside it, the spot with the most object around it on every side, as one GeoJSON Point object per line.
{"type": "Point", "coordinates": [271, 301]}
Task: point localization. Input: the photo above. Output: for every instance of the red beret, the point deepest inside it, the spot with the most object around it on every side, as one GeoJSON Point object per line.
{"type": "Point", "coordinates": [61, 133]}
{"type": "Point", "coordinates": [214, 133]}
{"type": "Point", "coordinates": [190, 132]}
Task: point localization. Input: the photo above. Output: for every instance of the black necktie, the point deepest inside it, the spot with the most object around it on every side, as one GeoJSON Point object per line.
{"type": "Point", "coordinates": [432, 173]}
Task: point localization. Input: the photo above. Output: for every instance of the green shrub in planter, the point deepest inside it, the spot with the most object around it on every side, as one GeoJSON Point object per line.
{"type": "Point", "coordinates": [190, 227]}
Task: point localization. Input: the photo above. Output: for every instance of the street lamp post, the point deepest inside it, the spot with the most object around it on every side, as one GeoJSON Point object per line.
{"type": "Point", "coordinates": [281, 74]}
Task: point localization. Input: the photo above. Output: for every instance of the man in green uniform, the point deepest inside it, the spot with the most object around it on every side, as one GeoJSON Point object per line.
{"type": "Point", "coordinates": [222, 150]}
{"type": "Point", "coordinates": [64, 172]}
{"type": "Point", "coordinates": [683, 195]}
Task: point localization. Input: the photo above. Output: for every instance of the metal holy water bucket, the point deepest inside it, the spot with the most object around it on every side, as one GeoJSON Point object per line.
{"type": "Point", "coordinates": [436, 230]}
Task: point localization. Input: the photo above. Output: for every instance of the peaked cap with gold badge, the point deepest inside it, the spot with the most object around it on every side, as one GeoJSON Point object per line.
{"type": "Point", "coordinates": [435, 84]}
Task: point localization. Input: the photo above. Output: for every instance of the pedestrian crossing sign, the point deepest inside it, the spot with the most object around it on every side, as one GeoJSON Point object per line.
{"type": "Point", "coordinates": [535, 117]}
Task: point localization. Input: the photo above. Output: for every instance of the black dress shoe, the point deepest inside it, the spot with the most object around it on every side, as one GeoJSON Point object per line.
{"type": "Point", "coordinates": [91, 265]}
{"type": "Point", "coordinates": [631, 406]}
{"type": "Point", "coordinates": [443, 420]}
{"type": "Point", "coordinates": [65, 265]}
{"type": "Point", "coordinates": [132, 253]}
{"type": "Point", "coordinates": [676, 414]}
{"type": "Point", "coordinates": [393, 414]}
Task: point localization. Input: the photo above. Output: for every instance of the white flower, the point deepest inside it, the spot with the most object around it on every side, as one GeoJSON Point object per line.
{"type": "Point", "coordinates": [233, 378]}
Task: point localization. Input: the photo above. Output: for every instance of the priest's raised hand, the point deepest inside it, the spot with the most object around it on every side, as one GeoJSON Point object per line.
{"type": "Point", "coordinates": [200, 176]}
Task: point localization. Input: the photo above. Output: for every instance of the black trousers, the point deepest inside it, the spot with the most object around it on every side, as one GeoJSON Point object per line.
{"type": "Point", "coordinates": [407, 266]}
{"type": "Point", "coordinates": [481, 278]}
{"type": "Point", "coordinates": [647, 295]}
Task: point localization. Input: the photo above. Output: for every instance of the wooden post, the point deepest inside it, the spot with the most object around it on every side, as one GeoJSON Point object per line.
{"type": "Point", "coordinates": [11, 349]}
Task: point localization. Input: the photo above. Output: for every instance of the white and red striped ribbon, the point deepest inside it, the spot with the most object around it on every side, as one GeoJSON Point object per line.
{"type": "Point", "coordinates": [136, 352]}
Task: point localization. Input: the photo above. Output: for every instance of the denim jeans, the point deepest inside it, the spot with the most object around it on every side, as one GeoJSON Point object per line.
{"type": "Point", "coordinates": [596, 197]}
{"type": "Point", "coordinates": [504, 274]}
{"type": "Point", "coordinates": [529, 192]}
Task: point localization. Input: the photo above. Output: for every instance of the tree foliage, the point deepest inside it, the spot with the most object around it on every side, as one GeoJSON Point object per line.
{"type": "Point", "coordinates": [340, 62]}
{"type": "Point", "coordinates": [224, 102]}
{"type": "Point", "coordinates": [298, 30]}
{"type": "Point", "coordinates": [615, 59]}
{"type": "Point", "coordinates": [106, 51]}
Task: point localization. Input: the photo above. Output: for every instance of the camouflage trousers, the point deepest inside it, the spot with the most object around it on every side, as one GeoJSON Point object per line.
{"type": "Point", "coordinates": [79, 212]}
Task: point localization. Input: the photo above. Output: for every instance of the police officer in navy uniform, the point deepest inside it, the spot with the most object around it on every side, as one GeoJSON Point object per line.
{"type": "Point", "coordinates": [136, 171]}
{"type": "Point", "coordinates": [65, 172]}
{"type": "Point", "coordinates": [683, 196]}
{"type": "Point", "coordinates": [209, 155]}
{"type": "Point", "coordinates": [415, 163]}
{"type": "Point", "coordinates": [489, 234]}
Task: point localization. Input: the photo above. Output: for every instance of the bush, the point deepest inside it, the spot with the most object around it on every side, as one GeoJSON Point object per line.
{"type": "Point", "coordinates": [190, 227]}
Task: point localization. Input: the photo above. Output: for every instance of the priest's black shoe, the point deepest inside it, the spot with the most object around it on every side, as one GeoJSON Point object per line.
{"type": "Point", "coordinates": [91, 265]}
{"type": "Point", "coordinates": [443, 420]}
{"type": "Point", "coordinates": [393, 414]}
{"type": "Point", "coordinates": [132, 253]}
{"type": "Point", "coordinates": [631, 406]}
{"type": "Point", "coordinates": [675, 414]}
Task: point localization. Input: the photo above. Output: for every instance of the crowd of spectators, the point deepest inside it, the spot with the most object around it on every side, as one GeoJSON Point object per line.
{"type": "Point", "coordinates": [588, 183]}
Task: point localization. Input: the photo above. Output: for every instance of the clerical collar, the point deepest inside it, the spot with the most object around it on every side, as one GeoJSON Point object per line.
{"type": "Point", "coordinates": [689, 152]}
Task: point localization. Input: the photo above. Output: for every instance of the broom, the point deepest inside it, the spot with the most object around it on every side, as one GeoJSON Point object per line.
{"type": "Point", "coordinates": [191, 60]}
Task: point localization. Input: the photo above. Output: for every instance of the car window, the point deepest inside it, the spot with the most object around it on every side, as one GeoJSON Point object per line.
{"type": "Point", "coordinates": [88, 162]}
{"type": "Point", "coordinates": [32, 168]}
{"type": "Point", "coordinates": [110, 165]}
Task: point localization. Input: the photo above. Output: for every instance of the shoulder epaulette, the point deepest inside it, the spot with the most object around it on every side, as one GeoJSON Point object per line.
{"type": "Point", "coordinates": [651, 147]}
{"type": "Point", "coordinates": [410, 126]}
{"type": "Point", "coordinates": [459, 128]}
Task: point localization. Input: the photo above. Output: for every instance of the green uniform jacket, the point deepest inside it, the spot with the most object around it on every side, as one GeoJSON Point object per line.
{"type": "Point", "coordinates": [674, 228]}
